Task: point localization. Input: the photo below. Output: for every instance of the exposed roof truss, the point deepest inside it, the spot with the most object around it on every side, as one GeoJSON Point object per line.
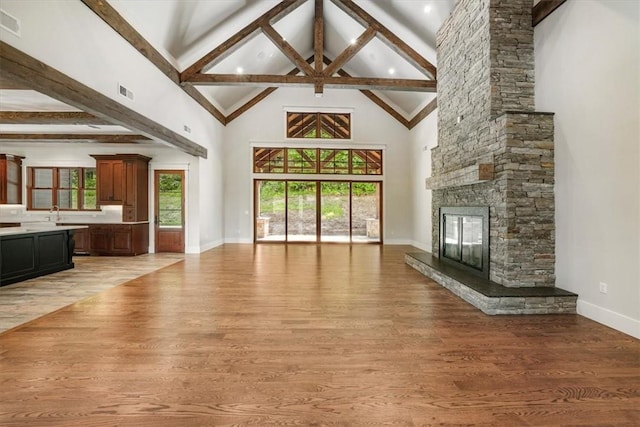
{"type": "Point", "coordinates": [317, 72]}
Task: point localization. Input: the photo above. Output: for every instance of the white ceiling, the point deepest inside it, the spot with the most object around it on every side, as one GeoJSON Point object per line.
{"type": "Point", "coordinates": [185, 30]}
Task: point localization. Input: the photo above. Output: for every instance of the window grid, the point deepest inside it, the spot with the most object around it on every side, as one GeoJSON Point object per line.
{"type": "Point", "coordinates": [319, 125]}
{"type": "Point", "coordinates": [68, 188]}
{"type": "Point", "coordinates": [317, 161]}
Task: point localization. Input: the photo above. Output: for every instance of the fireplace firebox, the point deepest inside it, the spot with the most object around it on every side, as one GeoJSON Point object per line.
{"type": "Point", "coordinates": [464, 238]}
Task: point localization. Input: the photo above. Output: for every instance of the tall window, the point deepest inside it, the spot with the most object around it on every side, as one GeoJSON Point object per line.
{"type": "Point", "coordinates": [319, 125]}
{"type": "Point", "coordinates": [67, 188]}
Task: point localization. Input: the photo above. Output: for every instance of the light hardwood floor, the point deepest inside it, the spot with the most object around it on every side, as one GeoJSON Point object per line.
{"type": "Point", "coordinates": [309, 335]}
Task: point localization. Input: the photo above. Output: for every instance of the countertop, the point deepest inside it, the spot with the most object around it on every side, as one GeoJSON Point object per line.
{"type": "Point", "coordinates": [32, 229]}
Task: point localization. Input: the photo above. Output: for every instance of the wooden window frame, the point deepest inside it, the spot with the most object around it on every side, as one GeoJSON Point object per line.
{"type": "Point", "coordinates": [325, 125]}
{"type": "Point", "coordinates": [56, 187]}
{"type": "Point", "coordinates": [372, 161]}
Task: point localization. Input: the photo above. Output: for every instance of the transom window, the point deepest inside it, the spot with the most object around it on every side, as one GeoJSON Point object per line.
{"type": "Point", "coordinates": [317, 161]}
{"type": "Point", "coordinates": [68, 188]}
{"type": "Point", "coordinates": [319, 125]}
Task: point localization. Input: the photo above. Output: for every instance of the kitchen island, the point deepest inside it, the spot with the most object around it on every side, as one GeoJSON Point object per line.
{"type": "Point", "coordinates": [31, 251]}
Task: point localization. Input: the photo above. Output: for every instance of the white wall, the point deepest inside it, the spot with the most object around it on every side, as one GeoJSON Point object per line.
{"type": "Point", "coordinates": [69, 37]}
{"type": "Point", "coordinates": [265, 123]}
{"type": "Point", "coordinates": [587, 72]}
{"type": "Point", "coordinates": [423, 138]}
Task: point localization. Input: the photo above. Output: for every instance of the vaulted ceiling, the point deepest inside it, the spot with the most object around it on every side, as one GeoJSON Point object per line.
{"type": "Point", "coordinates": [230, 54]}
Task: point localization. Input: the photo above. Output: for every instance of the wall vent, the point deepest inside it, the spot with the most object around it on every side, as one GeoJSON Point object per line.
{"type": "Point", "coordinates": [9, 23]}
{"type": "Point", "coordinates": [125, 92]}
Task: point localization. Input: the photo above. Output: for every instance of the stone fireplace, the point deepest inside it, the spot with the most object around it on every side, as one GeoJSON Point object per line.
{"type": "Point", "coordinates": [494, 150]}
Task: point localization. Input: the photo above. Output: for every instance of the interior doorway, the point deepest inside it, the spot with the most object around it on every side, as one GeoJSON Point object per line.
{"type": "Point", "coordinates": [169, 211]}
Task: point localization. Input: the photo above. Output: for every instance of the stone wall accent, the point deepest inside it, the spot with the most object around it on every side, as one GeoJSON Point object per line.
{"type": "Point", "coordinates": [486, 114]}
{"type": "Point", "coordinates": [512, 67]}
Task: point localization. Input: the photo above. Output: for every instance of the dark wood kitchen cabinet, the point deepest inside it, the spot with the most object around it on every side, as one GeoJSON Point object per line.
{"type": "Point", "coordinates": [110, 184]}
{"type": "Point", "coordinates": [81, 239]}
{"type": "Point", "coordinates": [123, 179]}
{"type": "Point", "coordinates": [10, 179]}
{"type": "Point", "coordinates": [119, 239]}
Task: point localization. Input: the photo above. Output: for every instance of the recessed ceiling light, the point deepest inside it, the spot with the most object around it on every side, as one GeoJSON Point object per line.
{"type": "Point", "coordinates": [392, 71]}
{"type": "Point", "coordinates": [427, 9]}
{"type": "Point", "coordinates": [353, 41]}
{"type": "Point", "coordinates": [239, 70]}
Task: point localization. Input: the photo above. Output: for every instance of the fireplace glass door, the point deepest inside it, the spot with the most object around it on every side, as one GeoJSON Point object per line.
{"type": "Point", "coordinates": [464, 238]}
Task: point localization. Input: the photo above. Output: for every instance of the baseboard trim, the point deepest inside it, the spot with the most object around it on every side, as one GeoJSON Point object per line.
{"type": "Point", "coordinates": [617, 321]}
{"type": "Point", "coordinates": [398, 242]}
{"type": "Point", "coordinates": [238, 240]}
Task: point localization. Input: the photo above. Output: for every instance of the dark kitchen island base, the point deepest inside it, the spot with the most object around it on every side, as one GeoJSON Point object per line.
{"type": "Point", "coordinates": [28, 253]}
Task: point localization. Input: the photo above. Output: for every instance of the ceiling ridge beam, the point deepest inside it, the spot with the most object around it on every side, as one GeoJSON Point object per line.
{"type": "Point", "coordinates": [287, 49]}
{"type": "Point", "coordinates": [24, 69]}
{"type": "Point", "coordinates": [120, 25]}
{"type": "Point", "coordinates": [351, 51]}
{"type": "Point", "coordinates": [388, 37]}
{"type": "Point", "coordinates": [276, 80]}
{"type": "Point", "coordinates": [50, 118]}
{"type": "Point", "coordinates": [240, 38]}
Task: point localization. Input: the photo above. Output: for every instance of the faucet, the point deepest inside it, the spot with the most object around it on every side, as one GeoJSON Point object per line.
{"type": "Point", "coordinates": [57, 209]}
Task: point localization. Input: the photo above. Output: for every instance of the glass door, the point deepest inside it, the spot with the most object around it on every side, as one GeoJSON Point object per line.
{"type": "Point", "coordinates": [335, 211]}
{"type": "Point", "coordinates": [169, 211]}
{"type": "Point", "coordinates": [317, 211]}
{"type": "Point", "coordinates": [271, 210]}
{"type": "Point", "coordinates": [301, 211]}
{"type": "Point", "coordinates": [365, 212]}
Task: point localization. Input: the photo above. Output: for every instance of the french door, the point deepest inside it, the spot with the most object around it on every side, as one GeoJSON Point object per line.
{"type": "Point", "coordinates": [317, 211]}
{"type": "Point", "coordinates": [169, 210]}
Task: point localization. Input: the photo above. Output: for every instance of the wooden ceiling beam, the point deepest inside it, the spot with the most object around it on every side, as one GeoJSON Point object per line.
{"type": "Point", "coordinates": [24, 69]}
{"type": "Point", "coordinates": [259, 97]}
{"type": "Point", "coordinates": [287, 49]}
{"type": "Point", "coordinates": [543, 9]}
{"type": "Point", "coordinates": [318, 37]}
{"type": "Point", "coordinates": [112, 18]}
{"type": "Point", "coordinates": [240, 38]}
{"type": "Point", "coordinates": [10, 84]}
{"type": "Point", "coordinates": [350, 52]}
{"type": "Point", "coordinates": [388, 37]}
{"type": "Point", "coordinates": [428, 109]}
{"type": "Point", "coordinates": [204, 102]}
{"type": "Point", "coordinates": [380, 103]}
{"type": "Point", "coordinates": [64, 137]}
{"type": "Point", "coordinates": [50, 118]}
{"type": "Point", "coordinates": [318, 45]}
{"type": "Point", "coordinates": [340, 82]}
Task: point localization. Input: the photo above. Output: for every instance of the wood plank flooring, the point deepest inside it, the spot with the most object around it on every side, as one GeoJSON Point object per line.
{"type": "Point", "coordinates": [309, 335]}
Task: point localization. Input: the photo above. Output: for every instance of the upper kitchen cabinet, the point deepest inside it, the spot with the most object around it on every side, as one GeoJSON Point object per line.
{"type": "Point", "coordinates": [10, 179]}
{"type": "Point", "coordinates": [123, 179]}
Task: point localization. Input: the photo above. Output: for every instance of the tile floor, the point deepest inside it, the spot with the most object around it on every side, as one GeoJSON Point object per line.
{"type": "Point", "coordinates": [28, 300]}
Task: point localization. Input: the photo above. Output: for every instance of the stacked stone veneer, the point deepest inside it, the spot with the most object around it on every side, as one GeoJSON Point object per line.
{"type": "Point", "coordinates": [486, 115]}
